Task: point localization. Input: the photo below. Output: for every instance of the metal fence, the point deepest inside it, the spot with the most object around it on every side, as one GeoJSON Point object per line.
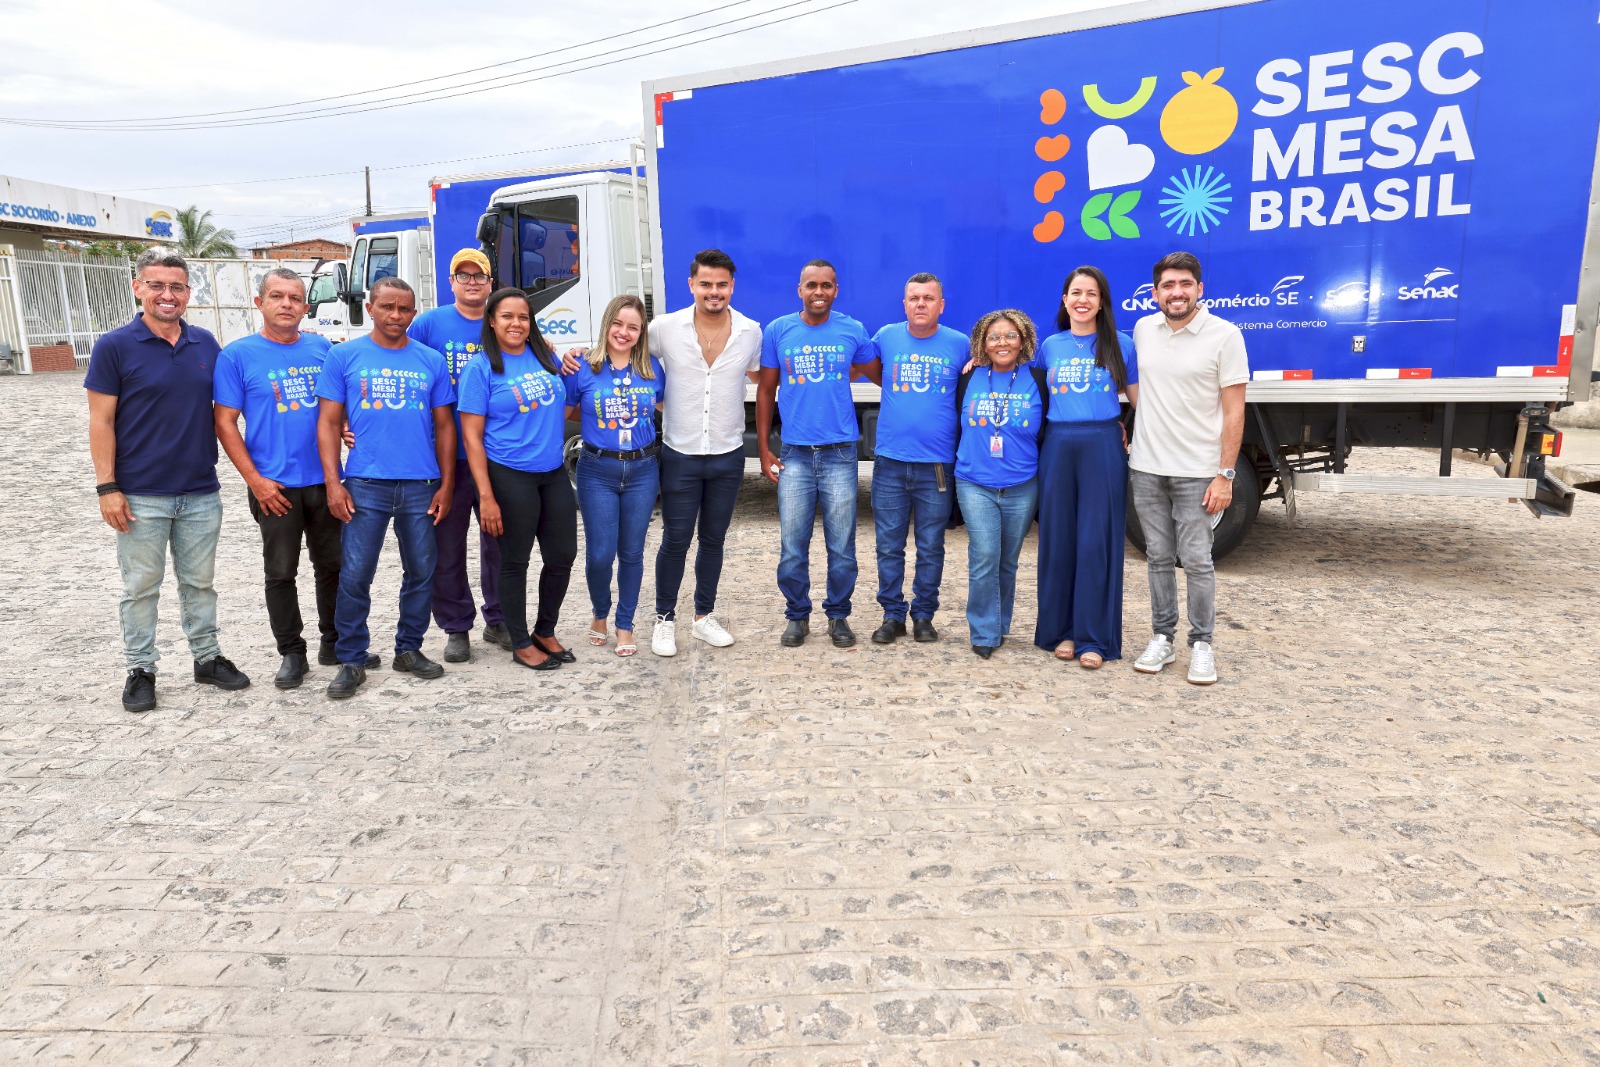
{"type": "Point", "coordinates": [73, 299]}
{"type": "Point", "coordinates": [13, 339]}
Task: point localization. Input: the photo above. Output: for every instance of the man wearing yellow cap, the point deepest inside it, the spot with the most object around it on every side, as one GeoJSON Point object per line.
{"type": "Point", "coordinates": [456, 331]}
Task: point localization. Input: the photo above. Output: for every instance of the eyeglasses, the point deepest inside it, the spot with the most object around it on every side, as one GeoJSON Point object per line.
{"type": "Point", "coordinates": [175, 288]}
{"type": "Point", "coordinates": [1002, 338]}
{"type": "Point", "coordinates": [471, 279]}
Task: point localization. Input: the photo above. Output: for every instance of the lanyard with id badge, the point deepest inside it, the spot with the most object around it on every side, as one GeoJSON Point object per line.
{"type": "Point", "coordinates": [1002, 417]}
{"type": "Point", "coordinates": [618, 384]}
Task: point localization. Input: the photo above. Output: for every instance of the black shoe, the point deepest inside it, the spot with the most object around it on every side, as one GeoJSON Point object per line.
{"type": "Point", "coordinates": [922, 630]}
{"type": "Point", "coordinates": [291, 672]}
{"type": "Point", "coordinates": [458, 649]}
{"type": "Point", "coordinates": [549, 663]}
{"type": "Point", "coordinates": [346, 682]}
{"type": "Point", "coordinates": [564, 655]}
{"type": "Point", "coordinates": [891, 629]}
{"type": "Point", "coordinates": [414, 662]}
{"type": "Point", "coordinates": [794, 635]}
{"type": "Point", "coordinates": [328, 653]}
{"type": "Point", "coordinates": [843, 636]}
{"type": "Point", "coordinates": [498, 635]}
{"type": "Point", "coordinates": [984, 650]}
{"type": "Point", "coordinates": [139, 691]}
{"type": "Point", "coordinates": [220, 672]}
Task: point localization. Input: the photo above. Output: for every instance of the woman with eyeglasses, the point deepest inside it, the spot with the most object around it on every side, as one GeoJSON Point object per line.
{"type": "Point", "coordinates": [1083, 475]}
{"type": "Point", "coordinates": [1000, 407]}
{"type": "Point", "coordinates": [614, 396]}
{"type": "Point", "coordinates": [513, 414]}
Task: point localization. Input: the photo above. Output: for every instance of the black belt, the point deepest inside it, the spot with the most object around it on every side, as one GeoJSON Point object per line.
{"type": "Point", "coordinates": [607, 453]}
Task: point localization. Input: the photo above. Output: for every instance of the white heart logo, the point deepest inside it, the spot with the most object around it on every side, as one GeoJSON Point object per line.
{"type": "Point", "coordinates": [1113, 161]}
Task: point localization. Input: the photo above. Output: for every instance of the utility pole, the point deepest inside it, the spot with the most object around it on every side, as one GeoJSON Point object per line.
{"type": "Point", "coordinates": [368, 171]}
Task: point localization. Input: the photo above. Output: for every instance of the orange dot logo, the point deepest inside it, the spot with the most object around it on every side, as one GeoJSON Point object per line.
{"type": "Point", "coordinates": [1049, 228]}
{"type": "Point", "coordinates": [1052, 106]}
{"type": "Point", "coordinates": [1050, 149]}
{"type": "Point", "coordinates": [1200, 117]}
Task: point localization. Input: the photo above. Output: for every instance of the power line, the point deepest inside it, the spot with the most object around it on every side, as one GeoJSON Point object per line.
{"type": "Point", "coordinates": [396, 166]}
{"type": "Point", "coordinates": [418, 81]}
{"type": "Point", "coordinates": [643, 49]}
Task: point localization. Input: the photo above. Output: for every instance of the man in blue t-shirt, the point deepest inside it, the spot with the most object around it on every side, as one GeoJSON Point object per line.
{"type": "Point", "coordinates": [455, 331]}
{"type": "Point", "coordinates": [270, 378]}
{"type": "Point", "coordinates": [397, 396]}
{"type": "Point", "coordinates": [914, 469]}
{"type": "Point", "coordinates": [807, 361]}
{"type": "Point", "coordinates": [155, 461]}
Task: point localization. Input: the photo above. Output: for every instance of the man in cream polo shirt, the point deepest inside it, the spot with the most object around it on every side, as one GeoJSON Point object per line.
{"type": "Point", "coordinates": [709, 352]}
{"type": "Point", "coordinates": [1190, 400]}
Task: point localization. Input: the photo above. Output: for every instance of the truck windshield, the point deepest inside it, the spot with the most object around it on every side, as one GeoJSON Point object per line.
{"type": "Point", "coordinates": [383, 259]}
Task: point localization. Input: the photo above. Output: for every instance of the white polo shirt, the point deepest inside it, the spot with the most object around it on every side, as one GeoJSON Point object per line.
{"type": "Point", "coordinates": [702, 413]}
{"type": "Point", "coordinates": [1178, 431]}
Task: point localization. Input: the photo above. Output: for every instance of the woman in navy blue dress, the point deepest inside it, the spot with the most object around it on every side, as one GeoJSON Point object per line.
{"type": "Point", "coordinates": [1083, 474]}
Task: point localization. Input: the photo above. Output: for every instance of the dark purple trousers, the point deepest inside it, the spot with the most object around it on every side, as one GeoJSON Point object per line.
{"type": "Point", "coordinates": [452, 596]}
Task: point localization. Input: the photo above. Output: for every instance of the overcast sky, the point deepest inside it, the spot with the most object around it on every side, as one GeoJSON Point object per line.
{"type": "Point", "coordinates": [94, 59]}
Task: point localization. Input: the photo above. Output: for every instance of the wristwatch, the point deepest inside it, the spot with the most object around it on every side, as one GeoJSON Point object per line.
{"type": "Point", "coordinates": [1227, 472]}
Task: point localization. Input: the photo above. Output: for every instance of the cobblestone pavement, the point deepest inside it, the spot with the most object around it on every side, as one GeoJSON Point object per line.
{"type": "Point", "coordinates": [1374, 842]}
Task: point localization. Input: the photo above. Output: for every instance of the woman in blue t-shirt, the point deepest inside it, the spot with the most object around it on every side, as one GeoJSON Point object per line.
{"type": "Point", "coordinates": [1000, 406]}
{"type": "Point", "coordinates": [1083, 475]}
{"type": "Point", "coordinates": [513, 403]}
{"type": "Point", "coordinates": [614, 396]}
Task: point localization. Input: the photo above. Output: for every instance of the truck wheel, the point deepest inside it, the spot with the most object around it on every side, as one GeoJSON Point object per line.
{"type": "Point", "coordinates": [569, 457]}
{"type": "Point", "coordinates": [1233, 526]}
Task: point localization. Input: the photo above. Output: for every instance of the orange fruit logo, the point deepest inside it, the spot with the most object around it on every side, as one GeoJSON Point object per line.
{"type": "Point", "coordinates": [1200, 117]}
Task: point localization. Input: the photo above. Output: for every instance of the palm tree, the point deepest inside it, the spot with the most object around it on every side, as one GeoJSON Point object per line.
{"type": "Point", "coordinates": [200, 238]}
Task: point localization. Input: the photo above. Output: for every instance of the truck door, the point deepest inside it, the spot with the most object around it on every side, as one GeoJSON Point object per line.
{"type": "Point", "coordinates": [547, 238]}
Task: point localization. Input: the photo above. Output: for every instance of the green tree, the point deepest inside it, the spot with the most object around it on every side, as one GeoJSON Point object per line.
{"type": "Point", "coordinates": [200, 238]}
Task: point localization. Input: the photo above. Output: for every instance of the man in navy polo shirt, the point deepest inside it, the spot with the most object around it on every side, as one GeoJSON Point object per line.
{"type": "Point", "coordinates": [455, 331]}
{"type": "Point", "coordinates": [913, 474]}
{"type": "Point", "coordinates": [397, 396]}
{"type": "Point", "coordinates": [155, 459]}
{"type": "Point", "coordinates": [271, 378]}
{"type": "Point", "coordinates": [807, 361]}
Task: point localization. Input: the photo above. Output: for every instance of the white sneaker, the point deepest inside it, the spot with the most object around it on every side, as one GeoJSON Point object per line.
{"type": "Point", "coordinates": [1156, 655]}
{"type": "Point", "coordinates": [664, 640]}
{"type": "Point", "coordinates": [711, 632]}
{"type": "Point", "coordinates": [1202, 664]}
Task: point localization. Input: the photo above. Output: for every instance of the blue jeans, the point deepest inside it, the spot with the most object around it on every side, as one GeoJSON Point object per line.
{"type": "Point", "coordinates": [825, 477]}
{"type": "Point", "coordinates": [997, 521]}
{"type": "Point", "coordinates": [1173, 515]}
{"type": "Point", "coordinates": [190, 524]}
{"type": "Point", "coordinates": [903, 495]}
{"type": "Point", "coordinates": [615, 497]}
{"type": "Point", "coordinates": [377, 500]}
{"type": "Point", "coordinates": [695, 490]}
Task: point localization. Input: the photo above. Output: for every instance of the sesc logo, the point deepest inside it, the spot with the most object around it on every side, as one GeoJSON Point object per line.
{"type": "Point", "coordinates": [1349, 295]}
{"type": "Point", "coordinates": [159, 224]}
{"type": "Point", "coordinates": [558, 322]}
{"type": "Point", "coordinates": [1429, 291]}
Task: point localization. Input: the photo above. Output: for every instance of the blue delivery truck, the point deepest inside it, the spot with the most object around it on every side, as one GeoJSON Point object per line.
{"type": "Point", "coordinates": [1395, 202]}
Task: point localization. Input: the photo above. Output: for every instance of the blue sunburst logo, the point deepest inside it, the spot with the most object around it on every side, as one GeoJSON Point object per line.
{"type": "Point", "coordinates": [1197, 200]}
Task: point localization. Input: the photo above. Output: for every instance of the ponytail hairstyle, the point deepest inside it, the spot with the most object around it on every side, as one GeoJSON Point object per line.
{"type": "Point", "coordinates": [536, 342]}
{"type": "Point", "coordinates": [1107, 346]}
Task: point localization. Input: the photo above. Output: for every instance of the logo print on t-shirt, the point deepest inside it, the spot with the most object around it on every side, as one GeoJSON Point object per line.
{"type": "Point", "coordinates": [294, 388]}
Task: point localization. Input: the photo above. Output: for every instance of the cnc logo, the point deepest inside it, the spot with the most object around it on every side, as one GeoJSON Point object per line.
{"type": "Point", "coordinates": [1445, 290]}
{"type": "Point", "coordinates": [558, 322]}
{"type": "Point", "coordinates": [159, 224]}
{"type": "Point", "coordinates": [1143, 299]}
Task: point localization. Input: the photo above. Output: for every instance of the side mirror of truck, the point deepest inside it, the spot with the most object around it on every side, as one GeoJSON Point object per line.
{"type": "Point", "coordinates": [488, 227]}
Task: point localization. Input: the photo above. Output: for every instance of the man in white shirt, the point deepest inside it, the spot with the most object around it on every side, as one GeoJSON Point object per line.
{"type": "Point", "coordinates": [1192, 375]}
{"type": "Point", "coordinates": [710, 352]}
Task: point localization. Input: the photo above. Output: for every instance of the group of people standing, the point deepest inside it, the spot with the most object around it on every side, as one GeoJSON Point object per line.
{"type": "Point", "coordinates": [463, 409]}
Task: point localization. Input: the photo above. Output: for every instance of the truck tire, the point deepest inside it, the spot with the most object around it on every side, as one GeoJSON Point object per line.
{"type": "Point", "coordinates": [569, 457]}
{"type": "Point", "coordinates": [1237, 519]}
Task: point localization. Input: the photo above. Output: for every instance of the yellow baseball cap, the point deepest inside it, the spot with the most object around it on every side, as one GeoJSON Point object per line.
{"type": "Point", "coordinates": [473, 256]}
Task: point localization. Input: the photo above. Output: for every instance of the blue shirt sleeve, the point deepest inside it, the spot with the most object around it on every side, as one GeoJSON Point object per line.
{"type": "Point", "coordinates": [443, 393]}
{"type": "Point", "coordinates": [474, 398]}
{"type": "Point", "coordinates": [418, 330]}
{"type": "Point", "coordinates": [866, 347]}
{"type": "Point", "coordinates": [660, 378]}
{"type": "Point", "coordinates": [227, 384]}
{"type": "Point", "coordinates": [769, 347]}
{"type": "Point", "coordinates": [330, 380]}
{"type": "Point", "coordinates": [574, 385]}
{"type": "Point", "coordinates": [105, 368]}
{"type": "Point", "coordinates": [1130, 358]}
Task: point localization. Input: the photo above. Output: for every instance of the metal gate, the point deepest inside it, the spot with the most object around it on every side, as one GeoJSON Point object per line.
{"type": "Point", "coordinates": [73, 299]}
{"type": "Point", "coordinates": [13, 339]}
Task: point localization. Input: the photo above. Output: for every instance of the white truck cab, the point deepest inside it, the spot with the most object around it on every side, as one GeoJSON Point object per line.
{"type": "Point", "coordinates": [571, 243]}
{"type": "Point", "coordinates": [386, 246]}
